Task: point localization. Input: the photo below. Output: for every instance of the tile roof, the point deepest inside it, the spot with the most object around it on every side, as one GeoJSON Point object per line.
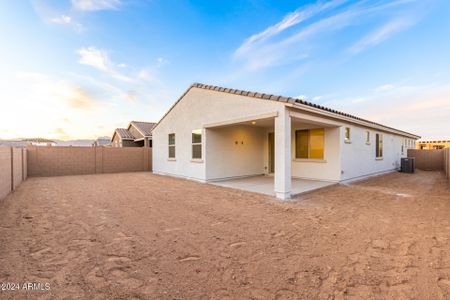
{"type": "Point", "coordinates": [295, 101]}
{"type": "Point", "coordinates": [288, 100]}
{"type": "Point", "coordinates": [144, 127]}
{"type": "Point", "coordinates": [124, 134]}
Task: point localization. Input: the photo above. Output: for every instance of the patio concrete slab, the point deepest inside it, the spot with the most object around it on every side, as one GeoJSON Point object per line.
{"type": "Point", "coordinates": [264, 184]}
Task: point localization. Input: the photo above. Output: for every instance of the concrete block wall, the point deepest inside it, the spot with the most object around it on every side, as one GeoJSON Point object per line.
{"type": "Point", "coordinates": [13, 166]}
{"type": "Point", "coordinates": [447, 162]}
{"type": "Point", "coordinates": [428, 159]}
{"type": "Point", "coordinates": [58, 161]}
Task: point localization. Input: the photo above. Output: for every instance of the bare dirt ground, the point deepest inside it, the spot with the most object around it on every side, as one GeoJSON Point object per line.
{"type": "Point", "coordinates": [143, 236]}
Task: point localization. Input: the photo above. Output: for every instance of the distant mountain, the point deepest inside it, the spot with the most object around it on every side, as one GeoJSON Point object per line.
{"type": "Point", "coordinates": [75, 143]}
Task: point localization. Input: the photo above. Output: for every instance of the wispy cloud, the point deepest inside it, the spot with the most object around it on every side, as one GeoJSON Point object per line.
{"type": "Point", "coordinates": [94, 5]}
{"type": "Point", "coordinates": [291, 19]}
{"type": "Point", "coordinates": [380, 34]}
{"type": "Point", "coordinates": [406, 107]}
{"type": "Point", "coordinates": [62, 19]}
{"type": "Point", "coordinates": [384, 87]}
{"type": "Point", "coordinates": [99, 59]}
{"type": "Point", "coordinates": [310, 28]}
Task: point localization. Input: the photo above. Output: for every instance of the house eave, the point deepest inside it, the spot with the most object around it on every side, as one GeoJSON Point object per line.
{"type": "Point", "coordinates": [352, 120]}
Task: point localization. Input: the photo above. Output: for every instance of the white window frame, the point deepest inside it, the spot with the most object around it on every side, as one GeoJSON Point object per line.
{"type": "Point", "coordinates": [172, 145]}
{"type": "Point", "coordinates": [197, 131]}
{"type": "Point", "coordinates": [349, 138]}
{"type": "Point", "coordinates": [378, 146]}
{"type": "Point", "coordinates": [367, 137]}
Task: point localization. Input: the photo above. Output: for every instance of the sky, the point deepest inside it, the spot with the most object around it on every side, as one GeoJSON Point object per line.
{"type": "Point", "coordinates": [81, 68]}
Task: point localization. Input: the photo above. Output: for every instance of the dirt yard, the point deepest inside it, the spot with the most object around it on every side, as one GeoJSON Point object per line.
{"type": "Point", "coordinates": [142, 236]}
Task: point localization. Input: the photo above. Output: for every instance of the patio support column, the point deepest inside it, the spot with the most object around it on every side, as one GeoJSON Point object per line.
{"type": "Point", "coordinates": [283, 155]}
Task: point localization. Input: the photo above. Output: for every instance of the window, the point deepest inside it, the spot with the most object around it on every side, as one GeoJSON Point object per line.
{"type": "Point", "coordinates": [379, 145]}
{"type": "Point", "coordinates": [172, 145]}
{"type": "Point", "coordinates": [367, 137]}
{"type": "Point", "coordinates": [347, 134]}
{"type": "Point", "coordinates": [197, 144]}
{"type": "Point", "coordinates": [309, 143]}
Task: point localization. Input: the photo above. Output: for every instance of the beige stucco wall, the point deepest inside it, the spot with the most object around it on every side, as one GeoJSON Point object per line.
{"type": "Point", "coordinates": [235, 151]}
{"type": "Point", "coordinates": [198, 108]}
{"type": "Point", "coordinates": [359, 158]}
{"type": "Point", "coordinates": [329, 168]}
{"type": "Point", "coordinates": [56, 161]}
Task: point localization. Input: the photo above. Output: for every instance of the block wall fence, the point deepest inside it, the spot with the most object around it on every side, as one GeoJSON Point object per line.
{"type": "Point", "coordinates": [59, 161]}
{"type": "Point", "coordinates": [428, 159]}
{"type": "Point", "coordinates": [13, 169]}
{"type": "Point", "coordinates": [447, 162]}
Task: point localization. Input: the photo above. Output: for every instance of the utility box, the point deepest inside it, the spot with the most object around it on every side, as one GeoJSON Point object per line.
{"type": "Point", "coordinates": [408, 165]}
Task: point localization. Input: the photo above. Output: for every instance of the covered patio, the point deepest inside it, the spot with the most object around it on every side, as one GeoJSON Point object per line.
{"type": "Point", "coordinates": [264, 184]}
{"type": "Point", "coordinates": [279, 154]}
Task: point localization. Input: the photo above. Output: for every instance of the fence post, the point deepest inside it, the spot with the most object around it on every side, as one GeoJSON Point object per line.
{"type": "Point", "coordinates": [12, 168]}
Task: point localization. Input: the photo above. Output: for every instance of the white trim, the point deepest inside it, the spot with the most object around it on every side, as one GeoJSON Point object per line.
{"type": "Point", "coordinates": [195, 160]}
{"type": "Point", "coordinates": [179, 176]}
{"type": "Point", "coordinates": [242, 120]}
{"type": "Point", "coordinates": [234, 177]}
{"type": "Point", "coordinates": [363, 177]}
{"type": "Point", "coordinates": [315, 179]}
{"type": "Point", "coordinates": [310, 160]}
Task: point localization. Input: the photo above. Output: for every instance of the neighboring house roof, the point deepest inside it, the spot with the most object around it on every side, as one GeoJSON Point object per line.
{"type": "Point", "coordinates": [299, 103]}
{"type": "Point", "coordinates": [145, 128]}
{"type": "Point", "coordinates": [123, 133]}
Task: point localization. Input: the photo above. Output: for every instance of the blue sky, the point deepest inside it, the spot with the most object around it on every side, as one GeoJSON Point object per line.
{"type": "Point", "coordinates": [80, 68]}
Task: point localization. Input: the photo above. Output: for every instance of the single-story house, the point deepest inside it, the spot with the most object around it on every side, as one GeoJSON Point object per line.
{"type": "Point", "coordinates": [137, 134]}
{"type": "Point", "coordinates": [216, 134]}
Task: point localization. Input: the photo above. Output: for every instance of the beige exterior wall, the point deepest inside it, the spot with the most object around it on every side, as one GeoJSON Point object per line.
{"type": "Point", "coordinates": [12, 165]}
{"type": "Point", "coordinates": [57, 161]}
{"type": "Point", "coordinates": [235, 151]}
{"type": "Point", "coordinates": [196, 110]}
{"type": "Point", "coordinates": [428, 159]}
{"type": "Point", "coordinates": [327, 169]}
{"type": "Point", "coordinates": [218, 115]}
{"type": "Point", "coordinates": [359, 158]}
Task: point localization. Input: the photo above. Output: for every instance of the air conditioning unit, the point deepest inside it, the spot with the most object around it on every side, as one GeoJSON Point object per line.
{"type": "Point", "coordinates": [408, 165]}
